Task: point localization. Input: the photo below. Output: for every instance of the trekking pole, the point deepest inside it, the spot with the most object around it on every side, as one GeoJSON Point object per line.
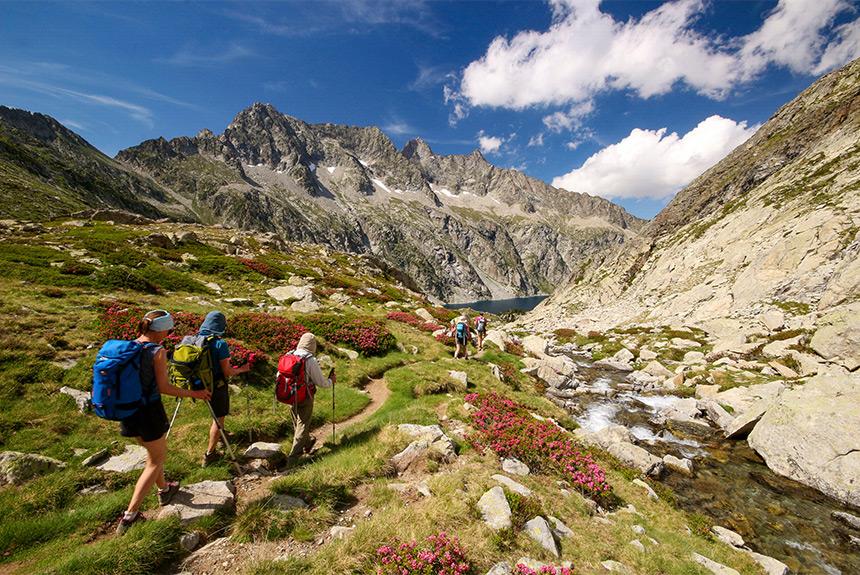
{"type": "Point", "coordinates": [333, 436]}
{"type": "Point", "coordinates": [172, 419]}
{"type": "Point", "coordinates": [224, 437]}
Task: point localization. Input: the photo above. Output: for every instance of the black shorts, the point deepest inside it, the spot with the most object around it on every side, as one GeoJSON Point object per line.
{"type": "Point", "coordinates": [148, 423]}
{"type": "Point", "coordinates": [461, 340]}
{"type": "Point", "coordinates": [221, 400]}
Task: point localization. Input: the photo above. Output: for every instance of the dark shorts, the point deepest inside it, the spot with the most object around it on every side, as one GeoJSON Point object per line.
{"type": "Point", "coordinates": [221, 400]}
{"type": "Point", "coordinates": [148, 423]}
{"type": "Point", "coordinates": [461, 340]}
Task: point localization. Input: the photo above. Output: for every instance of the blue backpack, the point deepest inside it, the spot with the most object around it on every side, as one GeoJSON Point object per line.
{"type": "Point", "coordinates": [461, 330]}
{"type": "Point", "coordinates": [117, 389]}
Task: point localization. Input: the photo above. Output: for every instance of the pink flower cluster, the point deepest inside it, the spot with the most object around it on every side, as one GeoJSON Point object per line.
{"type": "Point", "coordinates": [509, 430]}
{"type": "Point", "coordinates": [414, 320]}
{"type": "Point", "coordinates": [546, 569]}
{"type": "Point", "coordinates": [442, 556]}
{"type": "Point", "coordinates": [240, 355]}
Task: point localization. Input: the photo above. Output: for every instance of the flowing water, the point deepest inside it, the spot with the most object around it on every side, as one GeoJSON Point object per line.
{"type": "Point", "coordinates": [731, 485]}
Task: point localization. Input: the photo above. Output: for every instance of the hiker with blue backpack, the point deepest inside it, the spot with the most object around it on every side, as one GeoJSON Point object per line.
{"type": "Point", "coordinates": [129, 378]}
{"type": "Point", "coordinates": [462, 336]}
{"type": "Point", "coordinates": [481, 330]}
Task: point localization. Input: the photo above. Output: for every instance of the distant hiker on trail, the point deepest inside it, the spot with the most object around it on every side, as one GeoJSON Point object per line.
{"type": "Point", "coordinates": [149, 423]}
{"type": "Point", "coordinates": [481, 330]}
{"type": "Point", "coordinates": [462, 336]}
{"type": "Point", "coordinates": [215, 325]}
{"type": "Point", "coordinates": [300, 394]}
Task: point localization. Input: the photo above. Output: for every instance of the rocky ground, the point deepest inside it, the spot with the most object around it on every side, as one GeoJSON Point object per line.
{"type": "Point", "coordinates": [405, 464]}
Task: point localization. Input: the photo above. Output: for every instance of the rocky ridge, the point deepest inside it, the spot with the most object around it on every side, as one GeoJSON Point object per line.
{"type": "Point", "coordinates": [460, 227]}
{"type": "Point", "coordinates": [771, 229]}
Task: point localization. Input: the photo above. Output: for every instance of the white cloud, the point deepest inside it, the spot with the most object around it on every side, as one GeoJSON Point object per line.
{"type": "Point", "coordinates": [573, 144]}
{"type": "Point", "coordinates": [654, 164]}
{"type": "Point", "coordinates": [536, 140]}
{"type": "Point", "coordinates": [586, 51]}
{"type": "Point", "coordinates": [489, 144]}
{"type": "Point", "coordinates": [399, 128]}
{"type": "Point", "coordinates": [193, 56]}
{"type": "Point", "coordinates": [570, 120]}
{"type": "Point", "coordinates": [841, 51]}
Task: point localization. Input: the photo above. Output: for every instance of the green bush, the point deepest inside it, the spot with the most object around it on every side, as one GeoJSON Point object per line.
{"type": "Point", "coordinates": [222, 266]}
{"type": "Point", "coordinates": [121, 277]}
{"type": "Point", "coordinates": [171, 280]}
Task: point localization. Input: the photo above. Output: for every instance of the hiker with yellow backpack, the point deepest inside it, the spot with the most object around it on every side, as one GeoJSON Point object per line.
{"type": "Point", "coordinates": [202, 361]}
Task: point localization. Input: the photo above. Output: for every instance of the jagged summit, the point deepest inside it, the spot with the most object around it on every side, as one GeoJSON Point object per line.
{"type": "Point", "coordinates": [418, 149]}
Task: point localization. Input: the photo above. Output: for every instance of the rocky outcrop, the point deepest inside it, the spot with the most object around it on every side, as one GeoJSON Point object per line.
{"type": "Point", "coordinates": [17, 468]}
{"type": "Point", "coordinates": [495, 509]}
{"type": "Point", "coordinates": [810, 435]}
{"type": "Point", "coordinates": [202, 499]}
{"type": "Point", "coordinates": [767, 237]}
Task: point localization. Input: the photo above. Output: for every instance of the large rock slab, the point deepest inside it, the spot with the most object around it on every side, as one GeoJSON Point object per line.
{"type": "Point", "coordinates": [713, 566]}
{"type": "Point", "coordinates": [512, 485]}
{"type": "Point", "coordinates": [82, 398]}
{"type": "Point", "coordinates": [742, 398]}
{"type": "Point", "coordinates": [132, 459]}
{"type": "Point", "coordinates": [430, 443]}
{"type": "Point", "coordinates": [289, 293]}
{"type": "Point", "coordinates": [200, 500]}
{"type": "Point", "coordinates": [605, 437]}
{"type": "Point", "coordinates": [770, 565]}
{"type": "Point", "coordinates": [838, 337]}
{"type": "Point", "coordinates": [17, 468]}
{"type": "Point", "coordinates": [810, 435]}
{"type": "Point", "coordinates": [636, 457]}
{"type": "Point", "coordinates": [535, 345]}
{"type": "Point", "coordinates": [539, 530]}
{"type": "Point", "coordinates": [743, 424]}
{"type": "Point", "coordinates": [514, 466]}
{"type": "Point", "coordinates": [495, 509]}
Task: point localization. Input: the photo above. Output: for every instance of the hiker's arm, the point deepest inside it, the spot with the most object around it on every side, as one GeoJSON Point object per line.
{"type": "Point", "coordinates": [315, 374]}
{"type": "Point", "coordinates": [159, 364]}
{"type": "Point", "coordinates": [229, 371]}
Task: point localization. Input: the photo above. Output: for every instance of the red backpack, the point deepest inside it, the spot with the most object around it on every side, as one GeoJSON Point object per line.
{"type": "Point", "coordinates": [291, 385]}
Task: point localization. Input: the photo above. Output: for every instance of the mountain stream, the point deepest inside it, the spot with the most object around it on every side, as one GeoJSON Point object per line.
{"type": "Point", "coordinates": [731, 485]}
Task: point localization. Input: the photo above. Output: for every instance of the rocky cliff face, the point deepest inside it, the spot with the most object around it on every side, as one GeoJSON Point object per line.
{"type": "Point", "coordinates": [773, 225]}
{"type": "Point", "coordinates": [460, 227]}
{"type": "Point", "coordinates": [47, 170]}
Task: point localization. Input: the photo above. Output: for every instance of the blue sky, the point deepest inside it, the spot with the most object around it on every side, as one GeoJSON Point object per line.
{"type": "Point", "coordinates": [628, 100]}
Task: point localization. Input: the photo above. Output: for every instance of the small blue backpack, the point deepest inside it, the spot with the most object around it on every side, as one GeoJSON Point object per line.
{"type": "Point", "coordinates": [461, 330]}
{"type": "Point", "coordinates": [117, 389]}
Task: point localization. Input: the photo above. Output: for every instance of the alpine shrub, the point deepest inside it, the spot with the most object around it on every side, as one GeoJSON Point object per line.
{"type": "Point", "coordinates": [442, 555]}
{"type": "Point", "coordinates": [508, 429]}
{"type": "Point", "coordinates": [271, 333]}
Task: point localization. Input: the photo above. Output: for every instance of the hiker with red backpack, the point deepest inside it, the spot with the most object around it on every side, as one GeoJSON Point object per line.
{"type": "Point", "coordinates": [129, 378]}
{"type": "Point", "coordinates": [299, 375]}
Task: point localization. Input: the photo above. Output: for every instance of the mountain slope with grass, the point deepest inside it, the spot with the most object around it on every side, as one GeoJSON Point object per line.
{"type": "Point", "coordinates": [460, 227]}
{"type": "Point", "coordinates": [46, 170]}
{"type": "Point", "coordinates": [772, 228]}
{"type": "Point", "coordinates": [347, 508]}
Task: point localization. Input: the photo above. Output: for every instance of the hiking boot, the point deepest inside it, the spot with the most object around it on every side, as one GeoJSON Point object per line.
{"type": "Point", "coordinates": [164, 496]}
{"type": "Point", "coordinates": [125, 523]}
{"type": "Point", "coordinates": [309, 446]}
{"type": "Point", "coordinates": [210, 457]}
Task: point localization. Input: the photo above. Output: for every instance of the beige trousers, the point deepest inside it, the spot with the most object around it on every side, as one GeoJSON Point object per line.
{"type": "Point", "coordinates": [302, 426]}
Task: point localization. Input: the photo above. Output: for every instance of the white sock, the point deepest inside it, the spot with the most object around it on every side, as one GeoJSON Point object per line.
{"type": "Point", "coordinates": [129, 515]}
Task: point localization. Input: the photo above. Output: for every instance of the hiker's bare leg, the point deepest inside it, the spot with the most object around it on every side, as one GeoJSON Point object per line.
{"type": "Point", "coordinates": [153, 472]}
{"type": "Point", "coordinates": [214, 434]}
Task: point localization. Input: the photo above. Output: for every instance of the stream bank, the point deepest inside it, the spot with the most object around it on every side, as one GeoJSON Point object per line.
{"type": "Point", "coordinates": [730, 484]}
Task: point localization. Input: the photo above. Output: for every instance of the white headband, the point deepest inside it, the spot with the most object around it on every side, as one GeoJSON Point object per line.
{"type": "Point", "coordinates": [162, 323]}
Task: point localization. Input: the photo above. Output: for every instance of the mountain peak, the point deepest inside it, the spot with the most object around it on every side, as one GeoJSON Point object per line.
{"type": "Point", "coordinates": [417, 148]}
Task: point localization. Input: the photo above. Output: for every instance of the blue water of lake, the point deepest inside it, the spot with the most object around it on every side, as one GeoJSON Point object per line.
{"type": "Point", "coordinates": [498, 306]}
